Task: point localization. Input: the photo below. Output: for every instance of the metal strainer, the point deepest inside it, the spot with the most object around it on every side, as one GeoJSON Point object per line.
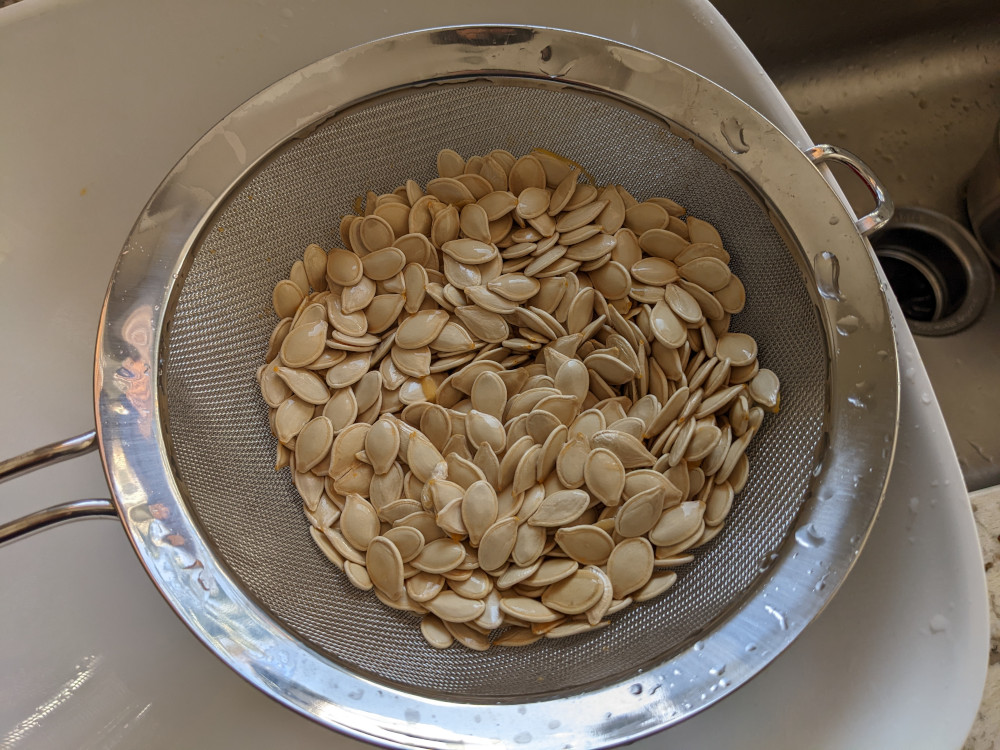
{"type": "Point", "coordinates": [189, 456]}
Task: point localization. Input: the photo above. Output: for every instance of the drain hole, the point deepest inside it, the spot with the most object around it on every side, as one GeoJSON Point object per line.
{"type": "Point", "coordinates": [938, 273]}
{"type": "Point", "coordinates": [917, 287]}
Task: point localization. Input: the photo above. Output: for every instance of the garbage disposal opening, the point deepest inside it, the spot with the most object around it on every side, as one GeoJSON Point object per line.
{"type": "Point", "coordinates": [939, 274]}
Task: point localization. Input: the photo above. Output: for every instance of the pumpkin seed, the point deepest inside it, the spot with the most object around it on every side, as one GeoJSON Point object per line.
{"type": "Point", "coordinates": [612, 280]}
{"type": "Point", "coordinates": [304, 343]}
{"type": "Point", "coordinates": [313, 443]}
{"type": "Point", "coordinates": [344, 267]}
{"type": "Point", "coordinates": [451, 607]}
{"type": "Point", "coordinates": [711, 274]}
{"type": "Point", "coordinates": [604, 476]}
{"type": "Point", "coordinates": [528, 610]}
{"type": "Point", "coordinates": [497, 543]}
{"type": "Point", "coordinates": [485, 428]}
{"type": "Point", "coordinates": [382, 444]}
{"type": "Point", "coordinates": [574, 595]}
{"type": "Point", "coordinates": [358, 522]}
{"type": "Point", "coordinates": [526, 172]}
{"type": "Point", "coordinates": [498, 204]}
{"type": "Point", "coordinates": [677, 524]}
{"type": "Point", "coordinates": [560, 508]}
{"type": "Point", "coordinates": [764, 388]}
{"type": "Point", "coordinates": [563, 192]}
{"type": "Point", "coordinates": [668, 329]}
{"type": "Point", "coordinates": [439, 556]}
{"type": "Point", "coordinates": [639, 513]}
{"type": "Point", "coordinates": [435, 633]}
{"type": "Point", "coordinates": [632, 453]}
{"type": "Point", "coordinates": [657, 584]}
{"type": "Point", "coordinates": [630, 566]}
{"type": "Point", "coordinates": [587, 544]}
{"type": "Point", "coordinates": [385, 567]}
{"type": "Point", "coordinates": [571, 460]}
{"type": "Point", "coordinates": [449, 163]}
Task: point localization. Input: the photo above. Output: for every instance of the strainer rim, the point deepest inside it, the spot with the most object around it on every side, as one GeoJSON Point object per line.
{"type": "Point", "coordinates": [197, 584]}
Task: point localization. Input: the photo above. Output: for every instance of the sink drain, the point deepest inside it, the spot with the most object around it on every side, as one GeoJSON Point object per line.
{"type": "Point", "coordinates": [939, 274]}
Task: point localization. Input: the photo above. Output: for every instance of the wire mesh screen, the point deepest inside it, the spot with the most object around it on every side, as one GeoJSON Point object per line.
{"type": "Point", "coordinates": [218, 423]}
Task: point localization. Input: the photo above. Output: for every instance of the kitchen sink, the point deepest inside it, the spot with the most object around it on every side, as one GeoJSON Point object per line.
{"type": "Point", "coordinates": [913, 88]}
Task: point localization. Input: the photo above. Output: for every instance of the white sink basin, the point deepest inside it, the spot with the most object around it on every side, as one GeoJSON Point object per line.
{"type": "Point", "coordinates": [100, 99]}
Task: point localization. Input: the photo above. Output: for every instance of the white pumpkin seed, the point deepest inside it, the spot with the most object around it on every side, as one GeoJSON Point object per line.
{"type": "Point", "coordinates": [587, 544]}
{"type": "Point", "coordinates": [632, 453]}
{"type": "Point", "coordinates": [639, 513]}
{"type": "Point", "coordinates": [645, 216]}
{"type": "Point", "coordinates": [306, 385]}
{"type": "Point", "coordinates": [604, 476]}
{"type": "Point", "coordinates": [344, 267]}
{"type": "Point", "coordinates": [764, 388]}
{"type": "Point", "coordinates": [677, 524]}
{"type": "Point", "coordinates": [435, 633]}
{"type": "Point", "coordinates": [439, 556]}
{"type": "Point", "coordinates": [560, 508]}
{"type": "Point", "coordinates": [497, 543]}
{"type": "Point", "coordinates": [525, 173]}
{"type": "Point", "coordinates": [451, 607]}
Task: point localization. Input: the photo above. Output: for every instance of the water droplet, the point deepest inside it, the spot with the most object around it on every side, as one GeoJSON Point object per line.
{"type": "Point", "coordinates": [926, 398]}
{"type": "Point", "coordinates": [882, 354]}
{"type": "Point", "coordinates": [635, 689]}
{"type": "Point", "coordinates": [555, 724]}
{"type": "Point", "coordinates": [914, 504]}
{"type": "Point", "coordinates": [522, 738]}
{"type": "Point", "coordinates": [477, 718]}
{"type": "Point", "coordinates": [698, 646]}
{"type": "Point", "coordinates": [356, 694]}
{"type": "Point", "coordinates": [522, 709]}
{"type": "Point", "coordinates": [782, 622]}
{"type": "Point", "coordinates": [847, 325]}
{"type": "Point", "coordinates": [554, 66]}
{"type": "Point", "coordinates": [750, 648]}
{"type": "Point", "coordinates": [767, 561]}
{"type": "Point", "coordinates": [820, 584]}
{"type": "Point", "coordinates": [807, 536]}
{"type": "Point", "coordinates": [939, 624]}
{"type": "Point", "coordinates": [718, 671]}
{"type": "Point", "coordinates": [411, 715]}
{"type": "Point", "coordinates": [827, 267]}
{"type": "Point", "coordinates": [732, 131]}
{"type": "Point", "coordinates": [723, 683]}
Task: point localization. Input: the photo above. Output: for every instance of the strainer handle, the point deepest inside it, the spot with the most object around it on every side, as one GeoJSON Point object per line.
{"type": "Point", "coordinates": [54, 516]}
{"type": "Point", "coordinates": [878, 216]}
{"type": "Point", "coordinates": [49, 454]}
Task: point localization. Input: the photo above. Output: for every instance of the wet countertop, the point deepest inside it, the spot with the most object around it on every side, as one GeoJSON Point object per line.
{"type": "Point", "coordinates": [985, 734]}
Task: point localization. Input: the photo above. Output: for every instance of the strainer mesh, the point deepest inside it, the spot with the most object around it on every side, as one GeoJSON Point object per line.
{"type": "Point", "coordinates": [218, 424]}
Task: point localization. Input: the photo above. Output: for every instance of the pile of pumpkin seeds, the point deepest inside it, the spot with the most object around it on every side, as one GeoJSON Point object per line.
{"type": "Point", "coordinates": [511, 401]}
